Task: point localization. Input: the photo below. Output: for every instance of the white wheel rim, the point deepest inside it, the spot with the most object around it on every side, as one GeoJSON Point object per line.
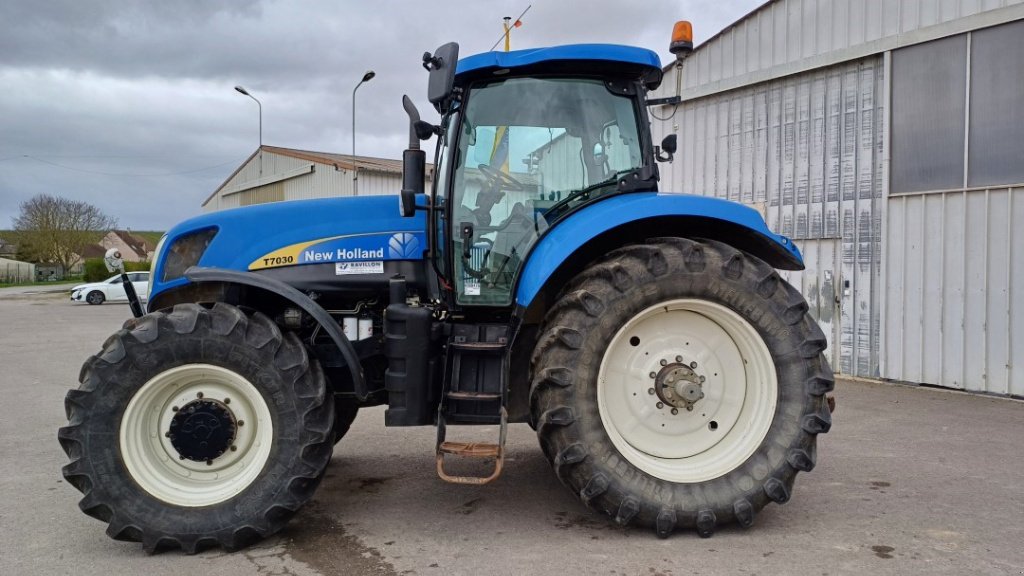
{"type": "Point", "coordinates": [724, 428]}
{"type": "Point", "coordinates": [155, 464]}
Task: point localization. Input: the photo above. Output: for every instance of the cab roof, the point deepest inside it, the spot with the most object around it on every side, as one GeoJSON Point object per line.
{"type": "Point", "coordinates": [590, 59]}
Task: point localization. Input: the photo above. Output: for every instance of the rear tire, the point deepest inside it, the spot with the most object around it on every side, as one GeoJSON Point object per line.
{"type": "Point", "coordinates": [95, 297]}
{"type": "Point", "coordinates": [633, 334]}
{"type": "Point", "coordinates": [197, 427]}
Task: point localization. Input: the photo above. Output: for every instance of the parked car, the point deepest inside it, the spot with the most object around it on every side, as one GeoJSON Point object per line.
{"type": "Point", "coordinates": [111, 289]}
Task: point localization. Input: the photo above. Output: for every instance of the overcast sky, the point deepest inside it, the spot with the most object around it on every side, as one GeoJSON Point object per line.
{"type": "Point", "coordinates": [130, 105]}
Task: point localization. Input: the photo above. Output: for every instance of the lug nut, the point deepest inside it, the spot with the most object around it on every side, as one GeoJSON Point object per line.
{"type": "Point", "coordinates": [167, 434]}
{"type": "Point", "coordinates": [227, 400]}
{"type": "Point", "coordinates": [675, 411]}
{"type": "Point", "coordinates": [174, 408]}
{"type": "Point", "coordinates": [664, 362]}
{"type": "Point", "coordinates": [693, 364]}
{"type": "Point", "coordinates": [199, 394]}
{"type": "Point", "coordinates": [654, 375]}
{"type": "Point", "coordinates": [234, 448]}
{"type": "Point", "coordinates": [689, 408]}
{"type": "Point", "coordinates": [679, 358]}
{"type": "Point", "coordinates": [209, 462]}
{"type": "Point", "coordinates": [660, 405]}
{"type": "Point", "coordinates": [241, 422]}
{"type": "Point", "coordinates": [702, 379]}
{"type": "Point", "coordinates": [650, 391]}
{"type": "Point", "coordinates": [180, 457]}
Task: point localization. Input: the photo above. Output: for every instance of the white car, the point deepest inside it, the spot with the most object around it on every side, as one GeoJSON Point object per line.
{"type": "Point", "coordinates": [111, 289]}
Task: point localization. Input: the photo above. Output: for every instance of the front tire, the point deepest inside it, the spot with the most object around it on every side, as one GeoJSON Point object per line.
{"type": "Point", "coordinates": [198, 427]}
{"type": "Point", "coordinates": [95, 297]}
{"type": "Point", "coordinates": [345, 412]}
{"type": "Point", "coordinates": [680, 384]}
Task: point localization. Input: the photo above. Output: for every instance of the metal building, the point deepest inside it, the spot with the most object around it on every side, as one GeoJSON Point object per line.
{"type": "Point", "coordinates": [275, 174]}
{"type": "Point", "coordinates": [887, 138]}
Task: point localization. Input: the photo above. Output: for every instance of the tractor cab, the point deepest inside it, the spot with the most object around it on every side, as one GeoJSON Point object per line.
{"type": "Point", "coordinates": [526, 138]}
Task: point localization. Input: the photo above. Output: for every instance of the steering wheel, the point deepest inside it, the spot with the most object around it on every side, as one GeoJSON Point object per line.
{"type": "Point", "coordinates": [501, 178]}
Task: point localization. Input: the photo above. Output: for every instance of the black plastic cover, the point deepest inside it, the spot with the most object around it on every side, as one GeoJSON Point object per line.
{"type": "Point", "coordinates": [413, 393]}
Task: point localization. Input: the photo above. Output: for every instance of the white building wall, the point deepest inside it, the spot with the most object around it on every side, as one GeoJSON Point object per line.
{"type": "Point", "coordinates": [796, 100]}
{"type": "Point", "coordinates": [791, 36]}
{"type": "Point", "coordinates": [807, 152]}
{"type": "Point", "coordinates": [954, 285]}
{"type": "Point", "coordinates": [300, 179]}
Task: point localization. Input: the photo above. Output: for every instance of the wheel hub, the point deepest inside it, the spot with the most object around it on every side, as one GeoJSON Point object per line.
{"type": "Point", "coordinates": [202, 430]}
{"type": "Point", "coordinates": [678, 384]}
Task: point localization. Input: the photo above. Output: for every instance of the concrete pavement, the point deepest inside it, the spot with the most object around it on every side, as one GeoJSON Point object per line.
{"type": "Point", "coordinates": [909, 481]}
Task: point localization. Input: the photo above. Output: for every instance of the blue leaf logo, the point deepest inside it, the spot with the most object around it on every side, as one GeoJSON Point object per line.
{"type": "Point", "coordinates": [404, 245]}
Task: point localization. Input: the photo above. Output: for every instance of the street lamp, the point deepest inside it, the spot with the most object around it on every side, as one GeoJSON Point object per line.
{"type": "Point", "coordinates": [242, 90]}
{"type": "Point", "coordinates": [355, 169]}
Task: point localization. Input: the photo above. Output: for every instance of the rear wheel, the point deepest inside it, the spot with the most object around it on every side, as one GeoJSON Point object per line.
{"type": "Point", "coordinates": [680, 384]}
{"type": "Point", "coordinates": [198, 427]}
{"type": "Point", "coordinates": [95, 297]}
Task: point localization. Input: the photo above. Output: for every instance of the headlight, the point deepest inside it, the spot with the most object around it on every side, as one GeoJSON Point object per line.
{"type": "Point", "coordinates": [185, 252]}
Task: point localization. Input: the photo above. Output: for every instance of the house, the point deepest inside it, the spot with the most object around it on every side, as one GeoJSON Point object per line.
{"type": "Point", "coordinates": [133, 248]}
{"type": "Point", "coordinates": [8, 249]}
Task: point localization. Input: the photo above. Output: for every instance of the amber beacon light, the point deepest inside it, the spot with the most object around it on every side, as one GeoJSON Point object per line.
{"type": "Point", "coordinates": [682, 39]}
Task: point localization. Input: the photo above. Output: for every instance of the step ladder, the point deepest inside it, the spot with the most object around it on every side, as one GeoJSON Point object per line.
{"type": "Point", "coordinates": [474, 393]}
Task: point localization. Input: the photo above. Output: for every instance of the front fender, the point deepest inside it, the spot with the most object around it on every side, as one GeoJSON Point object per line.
{"type": "Point", "coordinates": [658, 214]}
{"type": "Point", "coordinates": [199, 275]}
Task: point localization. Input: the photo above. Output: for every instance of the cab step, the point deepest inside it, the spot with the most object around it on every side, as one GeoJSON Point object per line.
{"type": "Point", "coordinates": [474, 396]}
{"type": "Point", "coordinates": [474, 450]}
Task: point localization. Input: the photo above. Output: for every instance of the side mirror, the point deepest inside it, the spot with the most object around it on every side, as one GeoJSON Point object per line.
{"type": "Point", "coordinates": [667, 150]}
{"type": "Point", "coordinates": [668, 144]}
{"type": "Point", "coordinates": [441, 65]}
{"type": "Point", "coordinates": [113, 261]}
{"type": "Point", "coordinates": [413, 174]}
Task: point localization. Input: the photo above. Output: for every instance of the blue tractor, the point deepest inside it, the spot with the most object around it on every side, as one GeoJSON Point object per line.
{"type": "Point", "coordinates": [673, 378]}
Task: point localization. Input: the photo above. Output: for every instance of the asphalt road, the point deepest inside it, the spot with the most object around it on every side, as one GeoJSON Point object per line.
{"type": "Point", "coordinates": [909, 481]}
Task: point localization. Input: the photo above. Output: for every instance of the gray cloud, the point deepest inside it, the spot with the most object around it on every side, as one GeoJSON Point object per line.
{"type": "Point", "coordinates": [129, 105]}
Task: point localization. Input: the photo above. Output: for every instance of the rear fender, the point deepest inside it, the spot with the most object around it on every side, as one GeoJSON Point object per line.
{"type": "Point", "coordinates": [593, 231]}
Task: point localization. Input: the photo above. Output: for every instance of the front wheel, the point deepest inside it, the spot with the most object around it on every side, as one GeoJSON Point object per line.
{"type": "Point", "coordinates": [198, 427]}
{"type": "Point", "coordinates": [680, 384]}
{"type": "Point", "coordinates": [95, 297]}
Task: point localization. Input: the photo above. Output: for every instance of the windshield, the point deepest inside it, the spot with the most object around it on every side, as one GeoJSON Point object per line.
{"type": "Point", "coordinates": [528, 148]}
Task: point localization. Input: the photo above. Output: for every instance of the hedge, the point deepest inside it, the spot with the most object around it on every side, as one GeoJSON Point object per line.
{"type": "Point", "coordinates": [95, 270]}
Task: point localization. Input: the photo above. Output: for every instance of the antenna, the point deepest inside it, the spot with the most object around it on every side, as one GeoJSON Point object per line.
{"type": "Point", "coordinates": [515, 24]}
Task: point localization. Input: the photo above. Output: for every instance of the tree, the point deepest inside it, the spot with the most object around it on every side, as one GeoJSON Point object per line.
{"type": "Point", "coordinates": [55, 229]}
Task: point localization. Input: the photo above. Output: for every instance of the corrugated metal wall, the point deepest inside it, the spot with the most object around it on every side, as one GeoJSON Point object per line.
{"type": "Point", "coordinates": [954, 289]}
{"type": "Point", "coordinates": [807, 151]}
{"type": "Point", "coordinates": [789, 36]}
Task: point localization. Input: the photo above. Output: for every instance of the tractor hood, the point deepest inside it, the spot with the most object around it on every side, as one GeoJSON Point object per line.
{"type": "Point", "coordinates": [291, 233]}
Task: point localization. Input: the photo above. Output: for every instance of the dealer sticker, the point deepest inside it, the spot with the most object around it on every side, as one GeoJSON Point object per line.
{"type": "Point", "coordinates": [345, 268]}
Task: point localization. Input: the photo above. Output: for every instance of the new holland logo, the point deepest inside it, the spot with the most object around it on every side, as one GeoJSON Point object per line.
{"type": "Point", "coordinates": [404, 245]}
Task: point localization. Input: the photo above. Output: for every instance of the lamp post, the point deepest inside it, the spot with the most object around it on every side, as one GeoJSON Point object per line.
{"type": "Point", "coordinates": [242, 90]}
{"type": "Point", "coordinates": [355, 168]}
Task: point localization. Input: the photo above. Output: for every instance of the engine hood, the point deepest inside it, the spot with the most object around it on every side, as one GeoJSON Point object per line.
{"type": "Point", "coordinates": [292, 233]}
